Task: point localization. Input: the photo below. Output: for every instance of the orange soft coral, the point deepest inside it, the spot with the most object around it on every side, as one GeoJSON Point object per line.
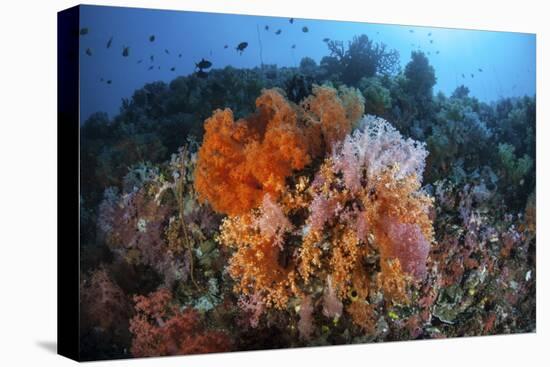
{"type": "Point", "coordinates": [239, 162]}
{"type": "Point", "coordinates": [257, 262]}
{"type": "Point", "coordinates": [331, 114]}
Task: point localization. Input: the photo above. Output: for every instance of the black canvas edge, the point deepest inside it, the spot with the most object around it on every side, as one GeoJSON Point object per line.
{"type": "Point", "coordinates": [68, 183]}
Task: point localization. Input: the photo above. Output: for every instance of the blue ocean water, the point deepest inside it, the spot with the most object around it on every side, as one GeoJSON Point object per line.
{"type": "Point", "coordinates": [491, 64]}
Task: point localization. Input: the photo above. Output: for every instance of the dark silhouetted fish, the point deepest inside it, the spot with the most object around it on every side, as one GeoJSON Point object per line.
{"type": "Point", "coordinates": [278, 32]}
{"type": "Point", "coordinates": [152, 58]}
{"type": "Point", "coordinates": [152, 38]}
{"type": "Point", "coordinates": [293, 46]}
{"type": "Point", "coordinates": [151, 67]}
{"type": "Point", "coordinates": [437, 52]}
{"type": "Point", "coordinates": [242, 46]}
{"type": "Point", "coordinates": [126, 51]}
{"type": "Point", "coordinates": [431, 41]}
{"type": "Point", "coordinates": [166, 51]}
{"type": "Point", "coordinates": [109, 81]}
{"type": "Point", "coordinates": [480, 70]}
{"type": "Point", "coordinates": [472, 75]}
{"type": "Point", "coordinates": [411, 30]}
{"type": "Point", "coordinates": [83, 31]}
{"type": "Point", "coordinates": [158, 68]}
{"type": "Point", "coordinates": [429, 34]}
{"type": "Point", "coordinates": [305, 29]}
{"type": "Point", "coordinates": [139, 61]}
{"type": "Point", "coordinates": [202, 74]}
{"type": "Point", "coordinates": [225, 46]}
{"type": "Point", "coordinates": [326, 39]}
{"type": "Point", "coordinates": [101, 79]}
{"type": "Point", "coordinates": [172, 69]}
{"type": "Point", "coordinates": [179, 55]}
{"type": "Point", "coordinates": [291, 20]}
{"type": "Point", "coordinates": [463, 77]}
{"type": "Point", "coordinates": [89, 51]}
{"type": "Point", "coordinates": [203, 64]}
{"type": "Point", "coordinates": [266, 28]}
{"type": "Point", "coordinates": [109, 42]}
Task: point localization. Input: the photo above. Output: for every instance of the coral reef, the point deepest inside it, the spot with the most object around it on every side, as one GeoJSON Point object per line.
{"type": "Point", "coordinates": [364, 202]}
{"type": "Point", "coordinates": [294, 219]}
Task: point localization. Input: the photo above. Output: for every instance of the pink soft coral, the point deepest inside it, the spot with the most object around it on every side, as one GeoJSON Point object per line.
{"type": "Point", "coordinates": [272, 221]}
{"type": "Point", "coordinates": [409, 245]}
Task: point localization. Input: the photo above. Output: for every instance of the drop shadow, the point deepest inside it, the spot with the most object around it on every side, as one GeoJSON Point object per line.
{"type": "Point", "coordinates": [50, 346]}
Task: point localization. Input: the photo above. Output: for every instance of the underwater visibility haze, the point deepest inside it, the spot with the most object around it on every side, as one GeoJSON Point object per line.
{"type": "Point", "coordinates": [254, 182]}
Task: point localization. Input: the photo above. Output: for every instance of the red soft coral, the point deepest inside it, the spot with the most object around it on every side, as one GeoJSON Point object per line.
{"type": "Point", "coordinates": [161, 329]}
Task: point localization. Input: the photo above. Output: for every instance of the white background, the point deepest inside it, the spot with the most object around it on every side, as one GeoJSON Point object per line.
{"type": "Point", "coordinates": [28, 183]}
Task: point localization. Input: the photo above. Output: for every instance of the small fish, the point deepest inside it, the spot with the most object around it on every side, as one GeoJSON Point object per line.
{"type": "Point", "coordinates": [89, 51]}
{"type": "Point", "coordinates": [463, 77]}
{"type": "Point", "coordinates": [472, 75]}
{"type": "Point", "coordinates": [411, 30]}
{"type": "Point", "coordinates": [125, 51]}
{"type": "Point", "coordinates": [201, 74]}
{"type": "Point", "coordinates": [278, 32]}
{"type": "Point", "coordinates": [152, 58]}
{"type": "Point", "coordinates": [139, 61]}
{"type": "Point", "coordinates": [293, 46]}
{"type": "Point", "coordinates": [203, 64]}
{"type": "Point", "coordinates": [179, 55]}
{"type": "Point", "coordinates": [242, 46]}
{"type": "Point", "coordinates": [326, 39]}
{"type": "Point", "coordinates": [109, 81]}
{"type": "Point", "coordinates": [429, 34]}
{"type": "Point", "coordinates": [305, 29]}
{"type": "Point", "coordinates": [266, 28]}
{"type": "Point", "coordinates": [151, 67]}
{"type": "Point", "coordinates": [291, 20]}
{"type": "Point", "coordinates": [431, 41]}
{"type": "Point", "coordinates": [166, 51]}
{"type": "Point", "coordinates": [158, 68]}
{"type": "Point", "coordinates": [437, 52]}
{"type": "Point", "coordinates": [101, 79]}
{"type": "Point", "coordinates": [172, 69]}
{"type": "Point", "coordinates": [83, 31]}
{"type": "Point", "coordinates": [225, 46]}
{"type": "Point", "coordinates": [480, 70]}
{"type": "Point", "coordinates": [152, 38]}
{"type": "Point", "coordinates": [109, 42]}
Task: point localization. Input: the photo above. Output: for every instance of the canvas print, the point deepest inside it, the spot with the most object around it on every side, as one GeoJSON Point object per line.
{"type": "Point", "coordinates": [254, 182]}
